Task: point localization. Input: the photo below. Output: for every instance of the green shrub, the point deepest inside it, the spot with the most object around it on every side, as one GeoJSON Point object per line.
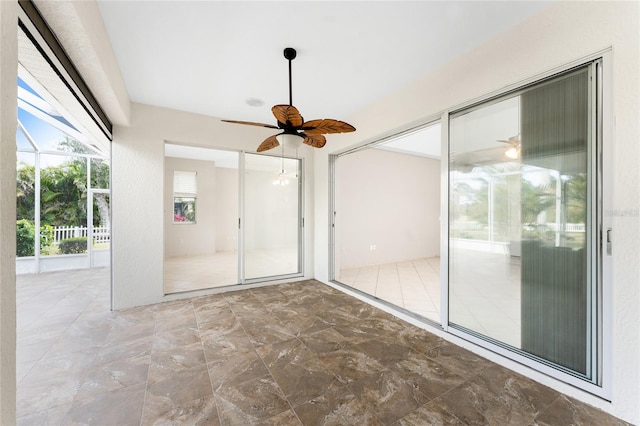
{"type": "Point", "coordinates": [25, 238]}
{"type": "Point", "coordinates": [73, 245]}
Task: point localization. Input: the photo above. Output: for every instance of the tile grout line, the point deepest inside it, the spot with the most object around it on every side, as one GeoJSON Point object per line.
{"type": "Point", "coordinates": [265, 364]}
{"type": "Point", "coordinates": [206, 361]}
{"type": "Point", "coordinates": [146, 385]}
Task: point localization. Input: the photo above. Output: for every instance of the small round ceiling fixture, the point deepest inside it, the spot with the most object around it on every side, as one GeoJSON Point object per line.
{"type": "Point", "coordinates": [254, 102]}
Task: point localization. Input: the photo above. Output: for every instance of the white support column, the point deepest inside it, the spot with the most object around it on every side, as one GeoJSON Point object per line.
{"type": "Point", "coordinates": [8, 120]}
{"type": "Point", "coordinates": [89, 215]}
{"type": "Point", "coordinates": [37, 203]}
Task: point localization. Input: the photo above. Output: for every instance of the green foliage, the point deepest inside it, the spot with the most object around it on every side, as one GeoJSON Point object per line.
{"type": "Point", "coordinates": [63, 189]}
{"type": "Point", "coordinates": [100, 173]}
{"type": "Point", "coordinates": [63, 194]}
{"type": "Point", "coordinates": [25, 191]}
{"type": "Point", "coordinates": [73, 245]}
{"type": "Point", "coordinates": [25, 238]}
{"type": "Point", "coordinates": [515, 199]}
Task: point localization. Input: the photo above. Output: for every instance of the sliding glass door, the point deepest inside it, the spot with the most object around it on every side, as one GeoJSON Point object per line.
{"type": "Point", "coordinates": [386, 217]}
{"type": "Point", "coordinates": [523, 220]}
{"type": "Point", "coordinates": [230, 218]}
{"type": "Point", "coordinates": [272, 216]}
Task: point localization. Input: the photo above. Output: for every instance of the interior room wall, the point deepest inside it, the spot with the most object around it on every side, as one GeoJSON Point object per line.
{"type": "Point", "coordinates": [194, 238]}
{"type": "Point", "coordinates": [389, 207]}
{"type": "Point", "coordinates": [561, 34]}
{"type": "Point", "coordinates": [226, 209]}
{"type": "Point", "coordinates": [8, 117]}
{"type": "Point", "coordinates": [278, 229]}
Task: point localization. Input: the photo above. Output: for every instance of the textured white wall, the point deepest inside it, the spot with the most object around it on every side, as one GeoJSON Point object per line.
{"type": "Point", "coordinates": [197, 238]}
{"type": "Point", "coordinates": [564, 33]}
{"type": "Point", "coordinates": [271, 212]}
{"type": "Point", "coordinates": [79, 27]}
{"type": "Point", "coordinates": [389, 200]}
{"type": "Point", "coordinates": [137, 193]}
{"type": "Point", "coordinates": [8, 111]}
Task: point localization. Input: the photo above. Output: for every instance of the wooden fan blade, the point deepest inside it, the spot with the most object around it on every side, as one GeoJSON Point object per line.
{"type": "Point", "coordinates": [327, 125]}
{"type": "Point", "coordinates": [270, 142]}
{"type": "Point", "coordinates": [316, 141]}
{"type": "Point", "coordinates": [284, 113]}
{"type": "Point", "coordinates": [251, 123]}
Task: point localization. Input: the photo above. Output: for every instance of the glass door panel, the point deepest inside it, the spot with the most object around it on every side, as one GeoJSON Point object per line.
{"type": "Point", "coordinates": [387, 227]}
{"type": "Point", "coordinates": [201, 218]}
{"type": "Point", "coordinates": [521, 215]}
{"type": "Point", "coordinates": [272, 222]}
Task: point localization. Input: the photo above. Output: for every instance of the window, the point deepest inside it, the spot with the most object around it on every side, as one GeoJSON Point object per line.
{"type": "Point", "coordinates": [185, 189]}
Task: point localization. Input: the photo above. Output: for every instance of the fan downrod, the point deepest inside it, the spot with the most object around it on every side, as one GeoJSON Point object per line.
{"type": "Point", "coordinates": [290, 54]}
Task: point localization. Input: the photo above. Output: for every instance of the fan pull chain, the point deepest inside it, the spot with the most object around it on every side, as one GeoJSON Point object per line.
{"type": "Point", "coordinates": [282, 160]}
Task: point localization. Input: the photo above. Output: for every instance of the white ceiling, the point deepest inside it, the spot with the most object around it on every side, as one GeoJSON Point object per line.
{"type": "Point", "coordinates": [209, 57]}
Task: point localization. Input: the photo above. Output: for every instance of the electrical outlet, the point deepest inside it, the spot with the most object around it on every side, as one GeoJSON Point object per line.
{"type": "Point", "coordinates": [372, 247]}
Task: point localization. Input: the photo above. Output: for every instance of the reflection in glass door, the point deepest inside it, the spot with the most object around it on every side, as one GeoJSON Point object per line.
{"type": "Point", "coordinates": [272, 216]}
{"type": "Point", "coordinates": [523, 257]}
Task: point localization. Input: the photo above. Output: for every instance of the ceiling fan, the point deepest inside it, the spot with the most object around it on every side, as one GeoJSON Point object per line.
{"type": "Point", "coordinates": [513, 151]}
{"type": "Point", "coordinates": [293, 125]}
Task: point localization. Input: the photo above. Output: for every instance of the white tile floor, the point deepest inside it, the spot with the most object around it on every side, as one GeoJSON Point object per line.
{"type": "Point", "coordinates": [199, 272]}
{"type": "Point", "coordinates": [413, 285]}
{"type": "Point", "coordinates": [190, 273]}
{"type": "Point", "coordinates": [484, 293]}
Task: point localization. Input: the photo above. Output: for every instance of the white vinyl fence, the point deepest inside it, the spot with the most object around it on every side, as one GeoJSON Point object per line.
{"type": "Point", "coordinates": [100, 234]}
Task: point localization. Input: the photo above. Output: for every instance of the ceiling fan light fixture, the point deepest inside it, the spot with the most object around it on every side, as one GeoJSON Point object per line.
{"type": "Point", "coordinates": [282, 179]}
{"type": "Point", "coordinates": [512, 153]}
{"type": "Point", "coordinates": [290, 141]}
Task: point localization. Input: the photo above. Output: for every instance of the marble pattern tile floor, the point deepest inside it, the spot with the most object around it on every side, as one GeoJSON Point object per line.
{"type": "Point", "coordinates": [290, 354]}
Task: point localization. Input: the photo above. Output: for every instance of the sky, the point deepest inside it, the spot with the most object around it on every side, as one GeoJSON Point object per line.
{"type": "Point", "coordinates": [45, 135]}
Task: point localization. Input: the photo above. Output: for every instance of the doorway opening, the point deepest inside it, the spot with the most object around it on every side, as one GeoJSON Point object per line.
{"type": "Point", "coordinates": [386, 220]}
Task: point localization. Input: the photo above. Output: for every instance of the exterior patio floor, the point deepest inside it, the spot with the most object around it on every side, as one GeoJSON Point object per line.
{"type": "Point", "coordinates": [289, 354]}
